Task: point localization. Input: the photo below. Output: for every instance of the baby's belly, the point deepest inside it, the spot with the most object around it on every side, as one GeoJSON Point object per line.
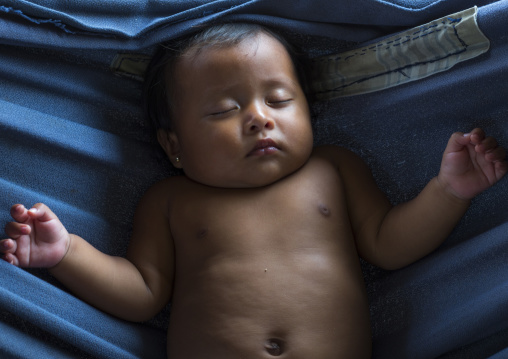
{"type": "Point", "coordinates": [303, 305]}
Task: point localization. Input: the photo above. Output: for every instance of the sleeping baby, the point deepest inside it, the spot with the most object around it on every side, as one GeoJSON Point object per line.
{"type": "Point", "coordinates": [256, 245]}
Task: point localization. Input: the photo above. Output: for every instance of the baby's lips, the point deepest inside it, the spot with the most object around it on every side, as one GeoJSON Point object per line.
{"type": "Point", "coordinates": [264, 144]}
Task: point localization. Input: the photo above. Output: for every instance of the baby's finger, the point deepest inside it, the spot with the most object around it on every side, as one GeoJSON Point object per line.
{"type": "Point", "coordinates": [14, 229]}
{"type": "Point", "coordinates": [19, 213]}
{"type": "Point", "coordinates": [8, 246]}
{"type": "Point", "coordinates": [501, 169]}
{"type": "Point", "coordinates": [496, 155]}
{"type": "Point", "coordinates": [41, 212]}
{"type": "Point", "coordinates": [11, 258]}
{"type": "Point", "coordinates": [486, 145]}
{"type": "Point", "coordinates": [457, 142]}
{"type": "Point", "coordinates": [477, 136]}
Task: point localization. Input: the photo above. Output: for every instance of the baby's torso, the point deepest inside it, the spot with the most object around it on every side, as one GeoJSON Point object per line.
{"type": "Point", "coordinates": [267, 272]}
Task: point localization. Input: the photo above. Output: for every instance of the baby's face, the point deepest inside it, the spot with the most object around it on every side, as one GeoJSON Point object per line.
{"type": "Point", "coordinates": [241, 118]}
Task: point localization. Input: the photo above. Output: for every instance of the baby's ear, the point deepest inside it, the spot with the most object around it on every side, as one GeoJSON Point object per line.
{"type": "Point", "coordinates": [170, 144]}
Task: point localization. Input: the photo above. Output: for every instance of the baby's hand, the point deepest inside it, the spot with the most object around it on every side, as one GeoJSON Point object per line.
{"type": "Point", "coordinates": [471, 163]}
{"type": "Point", "coordinates": [37, 238]}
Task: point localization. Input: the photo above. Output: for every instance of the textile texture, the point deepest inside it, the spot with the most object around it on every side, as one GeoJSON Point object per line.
{"type": "Point", "coordinates": [72, 135]}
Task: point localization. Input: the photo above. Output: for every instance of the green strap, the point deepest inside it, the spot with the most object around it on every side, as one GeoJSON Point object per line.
{"type": "Point", "coordinates": [407, 56]}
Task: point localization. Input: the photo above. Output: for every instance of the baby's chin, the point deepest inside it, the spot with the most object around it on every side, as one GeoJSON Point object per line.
{"type": "Point", "coordinates": [255, 174]}
{"type": "Point", "coordinates": [247, 184]}
{"type": "Point", "coordinates": [262, 180]}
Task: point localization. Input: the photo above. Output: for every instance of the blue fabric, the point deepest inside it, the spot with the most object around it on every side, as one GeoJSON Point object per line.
{"type": "Point", "coordinates": [72, 135]}
{"type": "Point", "coordinates": [124, 24]}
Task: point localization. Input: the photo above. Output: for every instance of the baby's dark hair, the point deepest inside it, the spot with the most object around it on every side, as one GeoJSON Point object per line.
{"type": "Point", "coordinates": [158, 90]}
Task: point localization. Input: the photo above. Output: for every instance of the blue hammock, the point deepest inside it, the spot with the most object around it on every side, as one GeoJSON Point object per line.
{"type": "Point", "coordinates": [72, 135]}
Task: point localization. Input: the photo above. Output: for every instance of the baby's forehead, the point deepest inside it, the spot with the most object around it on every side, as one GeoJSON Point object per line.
{"type": "Point", "coordinates": [255, 53]}
{"type": "Point", "coordinates": [198, 49]}
{"type": "Point", "coordinates": [257, 47]}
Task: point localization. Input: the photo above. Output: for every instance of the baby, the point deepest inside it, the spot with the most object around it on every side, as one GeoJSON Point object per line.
{"type": "Point", "coordinates": [257, 245]}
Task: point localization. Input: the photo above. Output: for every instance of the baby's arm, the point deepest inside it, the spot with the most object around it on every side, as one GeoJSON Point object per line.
{"type": "Point", "coordinates": [134, 289]}
{"type": "Point", "coordinates": [392, 237]}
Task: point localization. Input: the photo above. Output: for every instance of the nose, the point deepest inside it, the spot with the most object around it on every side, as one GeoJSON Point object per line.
{"type": "Point", "coordinates": [257, 119]}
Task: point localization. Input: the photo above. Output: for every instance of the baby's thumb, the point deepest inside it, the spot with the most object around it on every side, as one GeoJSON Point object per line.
{"type": "Point", "coordinates": [41, 213]}
{"type": "Point", "coordinates": [458, 141]}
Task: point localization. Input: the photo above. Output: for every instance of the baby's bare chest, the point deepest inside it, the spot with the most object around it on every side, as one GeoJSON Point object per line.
{"type": "Point", "coordinates": [297, 229]}
{"type": "Point", "coordinates": [255, 261]}
{"type": "Point", "coordinates": [294, 213]}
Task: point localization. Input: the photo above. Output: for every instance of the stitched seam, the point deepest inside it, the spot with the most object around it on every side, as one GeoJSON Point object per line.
{"type": "Point", "coordinates": [453, 22]}
{"type": "Point", "coordinates": [400, 70]}
{"type": "Point", "coordinates": [406, 39]}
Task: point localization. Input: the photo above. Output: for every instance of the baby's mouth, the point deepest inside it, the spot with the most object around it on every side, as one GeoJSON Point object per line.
{"type": "Point", "coordinates": [264, 147]}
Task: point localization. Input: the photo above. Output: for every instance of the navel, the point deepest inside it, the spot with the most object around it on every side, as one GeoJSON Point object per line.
{"type": "Point", "coordinates": [274, 347]}
{"type": "Point", "coordinates": [325, 211]}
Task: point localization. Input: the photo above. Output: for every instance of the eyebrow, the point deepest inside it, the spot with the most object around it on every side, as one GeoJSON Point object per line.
{"type": "Point", "coordinates": [286, 81]}
{"type": "Point", "coordinates": [269, 83]}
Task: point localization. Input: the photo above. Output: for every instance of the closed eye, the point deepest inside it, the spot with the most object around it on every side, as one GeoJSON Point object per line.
{"type": "Point", "coordinates": [281, 102]}
{"type": "Point", "coordinates": [223, 112]}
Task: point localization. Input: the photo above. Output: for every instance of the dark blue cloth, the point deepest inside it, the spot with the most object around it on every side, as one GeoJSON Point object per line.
{"type": "Point", "coordinates": [72, 135]}
{"type": "Point", "coordinates": [124, 24]}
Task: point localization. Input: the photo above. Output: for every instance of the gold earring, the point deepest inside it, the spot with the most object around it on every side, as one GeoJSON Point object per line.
{"type": "Point", "coordinates": [177, 159]}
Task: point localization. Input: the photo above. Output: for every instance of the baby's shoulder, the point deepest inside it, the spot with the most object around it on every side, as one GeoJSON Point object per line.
{"type": "Point", "coordinates": [165, 189]}
{"type": "Point", "coordinates": [336, 155]}
{"type": "Point", "coordinates": [352, 168]}
{"type": "Point", "coordinates": [347, 163]}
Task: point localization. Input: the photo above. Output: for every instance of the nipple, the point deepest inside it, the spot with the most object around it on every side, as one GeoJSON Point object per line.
{"type": "Point", "coordinates": [324, 210]}
{"type": "Point", "coordinates": [274, 347]}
